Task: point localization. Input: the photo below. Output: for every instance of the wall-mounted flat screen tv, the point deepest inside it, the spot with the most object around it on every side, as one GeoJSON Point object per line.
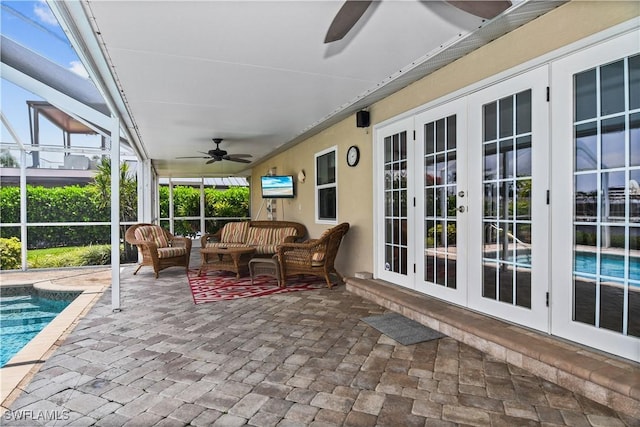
{"type": "Point", "coordinates": [278, 187]}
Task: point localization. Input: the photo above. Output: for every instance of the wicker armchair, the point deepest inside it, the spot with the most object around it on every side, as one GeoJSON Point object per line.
{"type": "Point", "coordinates": [315, 256]}
{"type": "Point", "coordinates": [159, 248]}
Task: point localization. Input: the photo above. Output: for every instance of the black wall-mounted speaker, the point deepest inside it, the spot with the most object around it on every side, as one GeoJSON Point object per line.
{"type": "Point", "coordinates": [362, 119]}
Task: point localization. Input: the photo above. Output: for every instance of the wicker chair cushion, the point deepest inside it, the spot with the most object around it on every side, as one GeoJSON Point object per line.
{"type": "Point", "coordinates": [234, 232]}
{"type": "Point", "coordinates": [266, 240]}
{"type": "Point", "coordinates": [171, 252]}
{"type": "Point", "coordinates": [280, 234]}
{"type": "Point", "coordinates": [317, 258]}
{"type": "Point", "coordinates": [258, 236]}
{"type": "Point", "coordinates": [225, 245]}
{"type": "Point", "coordinates": [152, 233]}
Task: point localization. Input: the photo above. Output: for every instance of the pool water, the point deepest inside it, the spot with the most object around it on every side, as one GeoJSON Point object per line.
{"type": "Point", "coordinates": [21, 318]}
{"type": "Point", "coordinates": [610, 265]}
{"type": "Point", "coordinates": [585, 264]}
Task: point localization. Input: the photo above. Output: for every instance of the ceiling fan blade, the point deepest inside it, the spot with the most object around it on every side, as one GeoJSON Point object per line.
{"type": "Point", "coordinates": [345, 19]}
{"type": "Point", "coordinates": [211, 161]}
{"type": "Point", "coordinates": [193, 157]}
{"type": "Point", "coordinates": [486, 9]}
{"type": "Point", "coordinates": [234, 159]}
{"type": "Point", "coordinates": [241, 155]}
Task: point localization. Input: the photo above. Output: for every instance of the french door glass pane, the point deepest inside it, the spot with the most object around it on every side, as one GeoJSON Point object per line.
{"type": "Point", "coordinates": [440, 186]}
{"type": "Point", "coordinates": [586, 102]}
{"type": "Point", "coordinates": [612, 88]}
{"type": "Point", "coordinates": [395, 196]}
{"type": "Point", "coordinates": [634, 139]}
{"type": "Point", "coordinates": [606, 258]}
{"type": "Point", "coordinates": [634, 82]}
{"type": "Point", "coordinates": [507, 182]}
{"type": "Point", "coordinates": [586, 137]}
{"type": "Point", "coordinates": [613, 142]}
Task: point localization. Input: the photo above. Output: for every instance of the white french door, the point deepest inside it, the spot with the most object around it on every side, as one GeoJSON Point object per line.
{"type": "Point", "coordinates": [508, 145]}
{"type": "Point", "coordinates": [441, 217]}
{"type": "Point", "coordinates": [521, 199]}
{"type": "Point", "coordinates": [463, 201]}
{"type": "Point", "coordinates": [596, 197]}
{"type": "Point", "coordinates": [395, 255]}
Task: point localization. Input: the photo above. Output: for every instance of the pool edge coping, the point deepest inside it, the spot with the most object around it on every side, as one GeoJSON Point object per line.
{"type": "Point", "coordinates": [31, 357]}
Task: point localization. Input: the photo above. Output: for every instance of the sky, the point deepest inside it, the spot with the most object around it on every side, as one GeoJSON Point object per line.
{"type": "Point", "coordinates": [33, 25]}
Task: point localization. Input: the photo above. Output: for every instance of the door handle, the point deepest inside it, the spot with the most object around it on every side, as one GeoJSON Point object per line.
{"type": "Point", "coordinates": [461, 209]}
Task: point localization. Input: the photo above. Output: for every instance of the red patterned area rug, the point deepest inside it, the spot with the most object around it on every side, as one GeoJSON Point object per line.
{"type": "Point", "coordinates": [223, 286]}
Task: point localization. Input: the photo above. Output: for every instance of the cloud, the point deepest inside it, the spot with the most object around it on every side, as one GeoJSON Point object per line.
{"type": "Point", "coordinates": [42, 11]}
{"type": "Point", "coordinates": [78, 68]}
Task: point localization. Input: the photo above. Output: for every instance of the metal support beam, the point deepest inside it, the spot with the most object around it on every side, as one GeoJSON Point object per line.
{"type": "Point", "coordinates": [115, 214]}
{"type": "Point", "coordinates": [23, 209]}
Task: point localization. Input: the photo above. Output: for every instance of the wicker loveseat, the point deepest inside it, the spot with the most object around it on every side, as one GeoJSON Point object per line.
{"type": "Point", "coordinates": [315, 256]}
{"type": "Point", "coordinates": [158, 248]}
{"type": "Point", "coordinates": [264, 236]}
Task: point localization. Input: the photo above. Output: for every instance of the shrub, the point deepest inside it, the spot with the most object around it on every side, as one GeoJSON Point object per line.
{"type": "Point", "coordinates": [95, 255]}
{"type": "Point", "coordinates": [10, 253]}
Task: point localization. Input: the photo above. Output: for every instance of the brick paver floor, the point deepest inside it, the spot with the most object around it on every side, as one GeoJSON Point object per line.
{"type": "Point", "coordinates": [303, 358]}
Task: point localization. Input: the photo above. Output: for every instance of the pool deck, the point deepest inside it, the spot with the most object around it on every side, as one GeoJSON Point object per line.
{"type": "Point", "coordinates": [303, 358]}
{"type": "Point", "coordinates": [92, 282]}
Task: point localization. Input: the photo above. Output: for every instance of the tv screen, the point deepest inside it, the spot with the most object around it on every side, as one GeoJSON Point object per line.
{"type": "Point", "coordinates": [277, 187]}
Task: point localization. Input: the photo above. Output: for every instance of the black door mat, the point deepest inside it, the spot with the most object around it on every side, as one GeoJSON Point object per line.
{"type": "Point", "coordinates": [402, 329]}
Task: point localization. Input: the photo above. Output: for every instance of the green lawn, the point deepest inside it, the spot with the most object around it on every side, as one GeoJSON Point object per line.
{"type": "Point", "coordinates": [70, 256]}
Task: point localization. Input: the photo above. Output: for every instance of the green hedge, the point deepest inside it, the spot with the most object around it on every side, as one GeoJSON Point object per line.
{"type": "Point", "coordinates": [79, 204]}
{"type": "Point", "coordinates": [233, 202]}
{"type": "Point", "coordinates": [58, 204]}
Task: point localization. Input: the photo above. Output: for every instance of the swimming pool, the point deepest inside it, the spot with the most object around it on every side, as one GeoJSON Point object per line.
{"type": "Point", "coordinates": [22, 316]}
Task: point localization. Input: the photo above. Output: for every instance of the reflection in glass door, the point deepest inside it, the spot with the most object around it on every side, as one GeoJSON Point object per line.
{"type": "Point", "coordinates": [441, 201]}
{"type": "Point", "coordinates": [440, 186]}
{"type": "Point", "coordinates": [507, 189]}
{"type": "Point", "coordinates": [396, 251]}
{"type": "Point", "coordinates": [606, 222]}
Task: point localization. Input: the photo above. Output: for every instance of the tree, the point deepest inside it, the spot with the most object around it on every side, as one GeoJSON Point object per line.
{"type": "Point", "coordinates": [128, 196]}
{"type": "Point", "coordinates": [7, 160]}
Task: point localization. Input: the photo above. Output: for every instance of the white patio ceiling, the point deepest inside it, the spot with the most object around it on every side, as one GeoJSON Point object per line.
{"type": "Point", "coordinates": [258, 73]}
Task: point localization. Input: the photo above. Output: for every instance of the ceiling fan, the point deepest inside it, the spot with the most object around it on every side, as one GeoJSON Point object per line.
{"type": "Point", "coordinates": [352, 10]}
{"type": "Point", "coordinates": [217, 155]}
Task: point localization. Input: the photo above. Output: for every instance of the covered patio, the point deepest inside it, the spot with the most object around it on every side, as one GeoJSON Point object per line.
{"type": "Point", "coordinates": [304, 358]}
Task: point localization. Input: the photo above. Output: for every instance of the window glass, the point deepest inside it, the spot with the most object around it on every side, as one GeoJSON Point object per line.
{"type": "Point", "coordinates": [584, 85]}
{"type": "Point", "coordinates": [326, 168]}
{"type": "Point", "coordinates": [326, 186]}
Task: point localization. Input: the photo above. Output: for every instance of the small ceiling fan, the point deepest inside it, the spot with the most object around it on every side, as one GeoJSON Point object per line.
{"type": "Point", "coordinates": [217, 155]}
{"type": "Point", "coordinates": [352, 10]}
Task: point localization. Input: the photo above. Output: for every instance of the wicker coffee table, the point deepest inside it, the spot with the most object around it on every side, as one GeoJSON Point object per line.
{"type": "Point", "coordinates": [265, 267]}
{"type": "Point", "coordinates": [227, 259]}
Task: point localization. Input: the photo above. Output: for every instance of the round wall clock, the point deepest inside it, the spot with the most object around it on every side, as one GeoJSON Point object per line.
{"type": "Point", "coordinates": [353, 155]}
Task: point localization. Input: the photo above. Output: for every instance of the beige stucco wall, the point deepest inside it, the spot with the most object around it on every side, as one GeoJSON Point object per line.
{"type": "Point", "coordinates": [560, 27]}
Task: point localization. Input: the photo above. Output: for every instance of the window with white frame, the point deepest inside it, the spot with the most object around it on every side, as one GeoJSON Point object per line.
{"type": "Point", "coordinates": [326, 187]}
